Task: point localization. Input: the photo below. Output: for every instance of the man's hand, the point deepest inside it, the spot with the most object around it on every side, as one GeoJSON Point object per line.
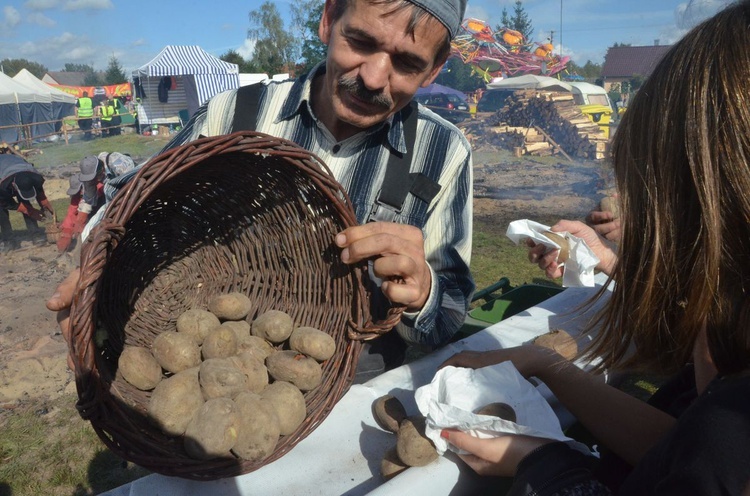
{"type": "Point", "coordinates": [605, 224]}
{"type": "Point", "coordinates": [60, 302]}
{"type": "Point", "coordinates": [46, 205]}
{"type": "Point", "coordinates": [30, 212]}
{"type": "Point", "coordinates": [399, 259]}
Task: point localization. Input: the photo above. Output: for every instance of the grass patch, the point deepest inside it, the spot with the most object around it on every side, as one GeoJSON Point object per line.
{"type": "Point", "coordinates": [58, 153]}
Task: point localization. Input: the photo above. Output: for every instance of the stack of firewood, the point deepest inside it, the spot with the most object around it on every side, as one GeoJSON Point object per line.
{"type": "Point", "coordinates": [560, 119]}
{"type": "Point", "coordinates": [522, 140]}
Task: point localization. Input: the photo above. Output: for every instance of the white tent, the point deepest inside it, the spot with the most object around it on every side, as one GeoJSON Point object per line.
{"type": "Point", "coordinates": [530, 81]}
{"type": "Point", "coordinates": [180, 78]}
{"type": "Point", "coordinates": [63, 104]}
{"type": "Point", "coordinates": [19, 105]}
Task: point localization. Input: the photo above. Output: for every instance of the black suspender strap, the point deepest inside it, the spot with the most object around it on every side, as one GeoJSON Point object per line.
{"type": "Point", "coordinates": [246, 107]}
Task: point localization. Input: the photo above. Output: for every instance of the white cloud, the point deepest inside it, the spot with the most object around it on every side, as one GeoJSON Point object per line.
{"type": "Point", "coordinates": [40, 19]}
{"type": "Point", "coordinates": [11, 17]}
{"type": "Point", "coordinates": [247, 49]}
{"type": "Point", "coordinates": [41, 4]}
{"type": "Point", "coordinates": [687, 15]}
{"type": "Point", "coordinates": [88, 4]}
{"type": "Point", "coordinates": [139, 42]}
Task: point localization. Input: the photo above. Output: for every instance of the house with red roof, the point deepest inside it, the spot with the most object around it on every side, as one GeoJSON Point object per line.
{"type": "Point", "coordinates": [624, 62]}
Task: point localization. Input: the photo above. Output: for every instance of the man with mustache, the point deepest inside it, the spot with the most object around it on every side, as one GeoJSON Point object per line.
{"type": "Point", "coordinates": [351, 110]}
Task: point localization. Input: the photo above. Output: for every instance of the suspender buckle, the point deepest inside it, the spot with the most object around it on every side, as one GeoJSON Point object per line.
{"type": "Point", "coordinates": [382, 212]}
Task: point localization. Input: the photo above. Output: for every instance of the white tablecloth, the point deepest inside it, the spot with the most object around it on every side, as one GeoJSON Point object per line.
{"type": "Point", "coordinates": [342, 456]}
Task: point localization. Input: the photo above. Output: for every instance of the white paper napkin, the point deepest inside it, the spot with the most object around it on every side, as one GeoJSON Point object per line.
{"type": "Point", "coordinates": [579, 267]}
{"type": "Point", "coordinates": [455, 393]}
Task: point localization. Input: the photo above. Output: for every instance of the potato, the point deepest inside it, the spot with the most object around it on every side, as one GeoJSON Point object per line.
{"type": "Point", "coordinates": [388, 412]}
{"type": "Point", "coordinates": [564, 253]}
{"type": "Point", "coordinates": [176, 351]}
{"type": "Point", "coordinates": [560, 342]}
{"type": "Point", "coordinates": [241, 329]}
{"type": "Point", "coordinates": [220, 343]}
{"type": "Point", "coordinates": [139, 367]}
{"type": "Point", "coordinates": [273, 325]}
{"type": "Point", "coordinates": [254, 370]}
{"type": "Point", "coordinates": [259, 428]}
{"type": "Point", "coordinates": [412, 446]}
{"type": "Point", "coordinates": [175, 400]}
{"type": "Point", "coordinates": [610, 204]}
{"type": "Point", "coordinates": [291, 366]}
{"type": "Point", "coordinates": [258, 347]}
{"type": "Point", "coordinates": [221, 378]}
{"type": "Point", "coordinates": [232, 306]}
{"type": "Point", "coordinates": [391, 465]}
{"type": "Point", "coordinates": [313, 343]}
{"type": "Point", "coordinates": [289, 404]}
{"type": "Point", "coordinates": [198, 323]}
{"type": "Point", "coordinates": [213, 431]}
{"type": "Point", "coordinates": [500, 410]}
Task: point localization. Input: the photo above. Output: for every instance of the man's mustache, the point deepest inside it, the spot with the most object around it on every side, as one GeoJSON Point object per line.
{"type": "Point", "coordinates": [356, 87]}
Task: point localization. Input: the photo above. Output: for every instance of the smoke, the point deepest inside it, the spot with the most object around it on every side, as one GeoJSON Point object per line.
{"type": "Point", "coordinates": [694, 12]}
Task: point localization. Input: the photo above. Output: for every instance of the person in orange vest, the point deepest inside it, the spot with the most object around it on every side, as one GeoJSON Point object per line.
{"type": "Point", "coordinates": [85, 114]}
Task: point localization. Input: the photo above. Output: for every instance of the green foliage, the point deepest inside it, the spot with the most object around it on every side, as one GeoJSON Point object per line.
{"type": "Point", "coordinates": [91, 79]}
{"type": "Point", "coordinates": [460, 76]}
{"type": "Point", "coordinates": [244, 66]}
{"type": "Point", "coordinates": [520, 21]}
{"type": "Point", "coordinates": [589, 71]}
{"type": "Point", "coordinates": [306, 16]}
{"type": "Point", "coordinates": [276, 48]}
{"type": "Point", "coordinates": [11, 67]}
{"type": "Point", "coordinates": [636, 82]}
{"type": "Point", "coordinates": [114, 73]}
{"type": "Point", "coordinates": [618, 45]}
{"type": "Point", "coordinates": [78, 68]}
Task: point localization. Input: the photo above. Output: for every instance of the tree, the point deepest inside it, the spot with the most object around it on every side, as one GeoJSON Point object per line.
{"type": "Point", "coordinates": [91, 79]}
{"type": "Point", "coordinates": [114, 74]}
{"type": "Point", "coordinates": [244, 65]}
{"type": "Point", "coordinates": [306, 16]}
{"type": "Point", "coordinates": [618, 45]}
{"type": "Point", "coordinates": [11, 67]}
{"type": "Point", "coordinates": [519, 21]}
{"type": "Point", "coordinates": [78, 68]}
{"type": "Point", "coordinates": [275, 48]}
{"type": "Point", "coordinates": [460, 76]}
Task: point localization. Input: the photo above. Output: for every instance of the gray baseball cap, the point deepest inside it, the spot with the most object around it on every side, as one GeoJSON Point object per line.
{"type": "Point", "coordinates": [75, 185]}
{"type": "Point", "coordinates": [448, 12]}
{"type": "Point", "coordinates": [89, 168]}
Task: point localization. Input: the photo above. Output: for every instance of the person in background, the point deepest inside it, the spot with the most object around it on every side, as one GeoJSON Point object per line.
{"type": "Point", "coordinates": [351, 110]}
{"type": "Point", "coordinates": [106, 116]}
{"type": "Point", "coordinates": [20, 183]}
{"type": "Point", "coordinates": [85, 114]}
{"type": "Point", "coordinates": [92, 178]}
{"type": "Point", "coordinates": [75, 191]}
{"type": "Point", "coordinates": [681, 299]}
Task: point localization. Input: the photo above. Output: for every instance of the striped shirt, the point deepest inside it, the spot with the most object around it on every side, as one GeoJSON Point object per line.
{"type": "Point", "coordinates": [358, 163]}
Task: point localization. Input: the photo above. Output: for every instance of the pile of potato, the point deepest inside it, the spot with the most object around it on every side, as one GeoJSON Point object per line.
{"type": "Point", "coordinates": [229, 388]}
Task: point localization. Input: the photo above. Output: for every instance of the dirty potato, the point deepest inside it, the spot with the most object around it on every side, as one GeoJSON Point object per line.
{"type": "Point", "coordinates": [175, 400]}
{"type": "Point", "coordinates": [241, 329]}
{"type": "Point", "coordinates": [274, 326]}
{"type": "Point", "coordinates": [289, 404]}
{"type": "Point", "coordinates": [258, 347]}
{"type": "Point", "coordinates": [391, 465]}
{"type": "Point", "coordinates": [176, 351]}
{"type": "Point", "coordinates": [220, 343]}
{"type": "Point", "coordinates": [255, 370]}
{"type": "Point", "coordinates": [221, 378]}
{"type": "Point", "coordinates": [232, 306]}
{"type": "Point", "coordinates": [198, 323]}
{"type": "Point", "coordinates": [213, 431]}
{"type": "Point", "coordinates": [259, 428]}
{"type": "Point", "coordinates": [291, 366]}
{"type": "Point", "coordinates": [313, 343]}
{"type": "Point", "coordinates": [414, 448]}
{"type": "Point", "coordinates": [498, 409]}
{"type": "Point", "coordinates": [139, 367]}
{"type": "Point", "coordinates": [564, 253]}
{"type": "Point", "coordinates": [388, 412]}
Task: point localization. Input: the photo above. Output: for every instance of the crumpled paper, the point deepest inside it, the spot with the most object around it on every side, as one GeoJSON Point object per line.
{"type": "Point", "coordinates": [455, 393]}
{"type": "Point", "coordinates": [579, 267]}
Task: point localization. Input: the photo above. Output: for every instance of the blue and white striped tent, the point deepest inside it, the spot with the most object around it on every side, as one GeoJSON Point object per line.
{"type": "Point", "coordinates": [193, 76]}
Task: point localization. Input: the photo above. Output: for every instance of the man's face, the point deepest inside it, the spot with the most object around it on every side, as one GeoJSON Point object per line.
{"type": "Point", "coordinates": [374, 67]}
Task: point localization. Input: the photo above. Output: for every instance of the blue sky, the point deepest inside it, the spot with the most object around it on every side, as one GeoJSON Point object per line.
{"type": "Point", "coordinates": [53, 32]}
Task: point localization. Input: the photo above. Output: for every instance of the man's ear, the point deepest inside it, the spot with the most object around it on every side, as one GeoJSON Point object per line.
{"type": "Point", "coordinates": [326, 22]}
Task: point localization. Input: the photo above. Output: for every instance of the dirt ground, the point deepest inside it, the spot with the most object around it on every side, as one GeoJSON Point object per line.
{"type": "Point", "coordinates": [33, 365]}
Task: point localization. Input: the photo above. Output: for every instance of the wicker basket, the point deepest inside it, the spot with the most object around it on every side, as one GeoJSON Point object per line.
{"type": "Point", "coordinates": [242, 212]}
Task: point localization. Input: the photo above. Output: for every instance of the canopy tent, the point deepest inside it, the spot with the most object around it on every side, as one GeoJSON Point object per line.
{"type": "Point", "coordinates": [530, 81]}
{"type": "Point", "coordinates": [180, 77]}
{"type": "Point", "coordinates": [435, 88]}
{"type": "Point", "coordinates": [63, 104]}
{"type": "Point", "coordinates": [20, 105]}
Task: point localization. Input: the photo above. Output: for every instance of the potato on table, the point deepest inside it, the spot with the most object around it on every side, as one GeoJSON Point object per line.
{"type": "Point", "coordinates": [139, 367]}
{"type": "Point", "coordinates": [414, 448]}
{"type": "Point", "coordinates": [388, 412]}
{"type": "Point", "coordinates": [391, 465]}
{"type": "Point", "coordinates": [259, 428]}
{"type": "Point", "coordinates": [289, 404]}
{"type": "Point", "coordinates": [273, 325]}
{"type": "Point", "coordinates": [291, 366]}
{"type": "Point", "coordinates": [213, 431]}
{"type": "Point", "coordinates": [232, 306]}
{"type": "Point", "coordinates": [198, 323]}
{"type": "Point", "coordinates": [313, 343]}
{"type": "Point", "coordinates": [221, 378]}
{"type": "Point", "coordinates": [176, 351]}
{"type": "Point", "coordinates": [175, 400]}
